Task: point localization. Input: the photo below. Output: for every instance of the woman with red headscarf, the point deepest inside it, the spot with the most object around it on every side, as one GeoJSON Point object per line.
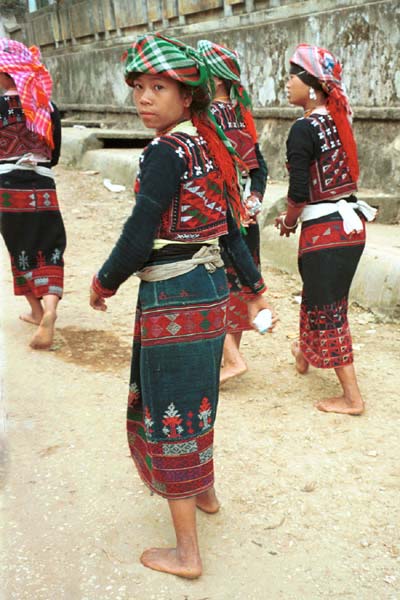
{"type": "Point", "coordinates": [323, 173]}
{"type": "Point", "coordinates": [31, 222]}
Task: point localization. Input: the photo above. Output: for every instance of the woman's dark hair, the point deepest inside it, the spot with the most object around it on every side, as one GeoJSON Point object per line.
{"type": "Point", "coordinates": [305, 77]}
{"type": "Point", "coordinates": [201, 98]}
{"type": "Point", "coordinates": [130, 78]}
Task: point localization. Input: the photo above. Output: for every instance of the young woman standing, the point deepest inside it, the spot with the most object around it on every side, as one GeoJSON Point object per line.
{"type": "Point", "coordinates": [187, 203]}
{"type": "Point", "coordinates": [323, 173]}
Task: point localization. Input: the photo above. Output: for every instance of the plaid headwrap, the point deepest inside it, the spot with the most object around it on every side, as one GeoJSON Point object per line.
{"type": "Point", "coordinates": [326, 68]}
{"type": "Point", "coordinates": [155, 54]}
{"type": "Point", "coordinates": [33, 83]}
{"type": "Point", "coordinates": [224, 64]}
{"type": "Point", "coordinates": [159, 55]}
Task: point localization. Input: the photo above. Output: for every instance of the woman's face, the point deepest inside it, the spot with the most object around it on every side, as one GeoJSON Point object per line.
{"type": "Point", "coordinates": [160, 101]}
{"type": "Point", "coordinates": [298, 92]}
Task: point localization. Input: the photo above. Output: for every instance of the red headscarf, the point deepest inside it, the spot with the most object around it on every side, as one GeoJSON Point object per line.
{"type": "Point", "coordinates": [325, 67]}
{"type": "Point", "coordinates": [33, 83]}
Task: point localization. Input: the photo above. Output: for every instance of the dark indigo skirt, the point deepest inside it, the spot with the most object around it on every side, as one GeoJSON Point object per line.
{"type": "Point", "coordinates": [173, 394]}
{"type": "Point", "coordinates": [33, 230]}
{"type": "Point", "coordinates": [328, 260]}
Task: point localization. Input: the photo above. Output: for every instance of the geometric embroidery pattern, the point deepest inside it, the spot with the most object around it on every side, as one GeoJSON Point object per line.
{"type": "Point", "coordinates": [235, 131]}
{"type": "Point", "coordinates": [16, 138]}
{"type": "Point", "coordinates": [325, 338]}
{"type": "Point", "coordinates": [44, 280]}
{"type": "Point", "coordinates": [28, 200]}
{"type": "Point", "coordinates": [179, 469]}
{"type": "Point", "coordinates": [320, 236]}
{"type": "Point", "coordinates": [163, 325]}
{"type": "Point", "coordinates": [179, 449]}
{"type": "Point", "coordinates": [206, 455]}
{"type": "Point", "coordinates": [329, 174]}
{"type": "Point", "coordinates": [198, 210]}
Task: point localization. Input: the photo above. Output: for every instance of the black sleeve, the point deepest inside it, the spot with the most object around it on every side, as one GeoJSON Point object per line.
{"type": "Point", "coordinates": [56, 122]}
{"type": "Point", "coordinates": [259, 176]}
{"type": "Point", "coordinates": [302, 149]}
{"type": "Point", "coordinates": [160, 173]}
{"type": "Point", "coordinates": [233, 243]}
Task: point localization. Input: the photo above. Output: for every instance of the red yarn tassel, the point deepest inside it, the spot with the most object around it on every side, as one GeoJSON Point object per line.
{"type": "Point", "coordinates": [345, 131]}
{"type": "Point", "coordinates": [249, 123]}
{"type": "Point", "coordinates": [225, 163]}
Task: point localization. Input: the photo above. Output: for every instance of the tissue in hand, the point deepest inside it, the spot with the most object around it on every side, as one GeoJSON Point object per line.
{"type": "Point", "coordinates": [263, 320]}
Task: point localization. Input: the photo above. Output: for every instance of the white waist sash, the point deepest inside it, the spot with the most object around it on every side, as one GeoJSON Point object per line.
{"type": "Point", "coordinates": [27, 163]}
{"type": "Point", "coordinates": [347, 210]}
{"type": "Point", "coordinates": [209, 256]}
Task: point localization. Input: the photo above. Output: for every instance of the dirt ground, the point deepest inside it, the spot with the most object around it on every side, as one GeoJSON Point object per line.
{"type": "Point", "coordinates": [310, 501]}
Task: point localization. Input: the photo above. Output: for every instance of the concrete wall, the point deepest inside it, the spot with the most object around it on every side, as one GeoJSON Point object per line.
{"type": "Point", "coordinates": [82, 42]}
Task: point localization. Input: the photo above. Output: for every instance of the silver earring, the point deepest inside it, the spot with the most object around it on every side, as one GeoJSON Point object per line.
{"type": "Point", "coordinates": [312, 94]}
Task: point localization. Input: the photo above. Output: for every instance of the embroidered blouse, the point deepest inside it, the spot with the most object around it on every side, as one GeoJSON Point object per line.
{"type": "Point", "coordinates": [179, 197]}
{"type": "Point", "coordinates": [317, 163]}
{"type": "Point", "coordinates": [16, 139]}
{"type": "Point", "coordinates": [249, 152]}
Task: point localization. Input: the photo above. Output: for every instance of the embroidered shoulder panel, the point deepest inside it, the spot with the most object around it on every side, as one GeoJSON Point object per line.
{"type": "Point", "coordinates": [329, 174]}
{"type": "Point", "coordinates": [198, 210]}
{"type": "Point", "coordinates": [235, 131]}
{"type": "Point", "coordinates": [15, 138]}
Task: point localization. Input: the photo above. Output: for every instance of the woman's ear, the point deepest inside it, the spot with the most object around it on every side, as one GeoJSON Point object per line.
{"type": "Point", "coordinates": [187, 98]}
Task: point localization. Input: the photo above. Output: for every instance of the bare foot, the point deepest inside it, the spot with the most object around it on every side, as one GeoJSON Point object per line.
{"type": "Point", "coordinates": [208, 501]}
{"type": "Point", "coordinates": [43, 337]}
{"type": "Point", "coordinates": [229, 371]}
{"type": "Point", "coordinates": [341, 405]}
{"type": "Point", "coordinates": [301, 363]}
{"type": "Point", "coordinates": [31, 318]}
{"type": "Point", "coordinates": [168, 561]}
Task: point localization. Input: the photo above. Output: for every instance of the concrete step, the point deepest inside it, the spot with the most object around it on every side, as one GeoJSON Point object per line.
{"type": "Point", "coordinates": [118, 164]}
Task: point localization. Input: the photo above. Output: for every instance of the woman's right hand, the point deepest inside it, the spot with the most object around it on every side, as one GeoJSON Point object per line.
{"type": "Point", "coordinates": [96, 301]}
{"type": "Point", "coordinates": [285, 228]}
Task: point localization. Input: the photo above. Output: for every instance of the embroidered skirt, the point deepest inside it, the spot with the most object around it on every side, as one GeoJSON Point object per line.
{"type": "Point", "coordinates": [173, 394]}
{"type": "Point", "coordinates": [328, 260]}
{"type": "Point", "coordinates": [238, 319]}
{"type": "Point", "coordinates": [33, 231]}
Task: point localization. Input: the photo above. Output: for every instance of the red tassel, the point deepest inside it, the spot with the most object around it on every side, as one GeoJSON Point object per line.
{"type": "Point", "coordinates": [341, 120]}
{"type": "Point", "coordinates": [249, 123]}
{"type": "Point", "coordinates": [225, 163]}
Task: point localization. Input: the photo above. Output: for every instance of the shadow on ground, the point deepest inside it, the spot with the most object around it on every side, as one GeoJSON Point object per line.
{"type": "Point", "coordinates": [95, 349]}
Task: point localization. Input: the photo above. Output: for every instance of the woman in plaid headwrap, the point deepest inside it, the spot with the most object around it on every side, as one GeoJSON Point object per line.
{"type": "Point", "coordinates": [231, 108]}
{"type": "Point", "coordinates": [187, 201]}
{"type": "Point", "coordinates": [323, 173]}
{"type": "Point", "coordinates": [30, 218]}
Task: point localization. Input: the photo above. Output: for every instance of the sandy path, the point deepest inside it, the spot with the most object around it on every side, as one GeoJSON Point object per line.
{"type": "Point", "coordinates": [311, 502]}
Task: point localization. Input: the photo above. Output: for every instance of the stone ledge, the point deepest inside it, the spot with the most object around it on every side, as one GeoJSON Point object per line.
{"type": "Point", "coordinates": [365, 113]}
